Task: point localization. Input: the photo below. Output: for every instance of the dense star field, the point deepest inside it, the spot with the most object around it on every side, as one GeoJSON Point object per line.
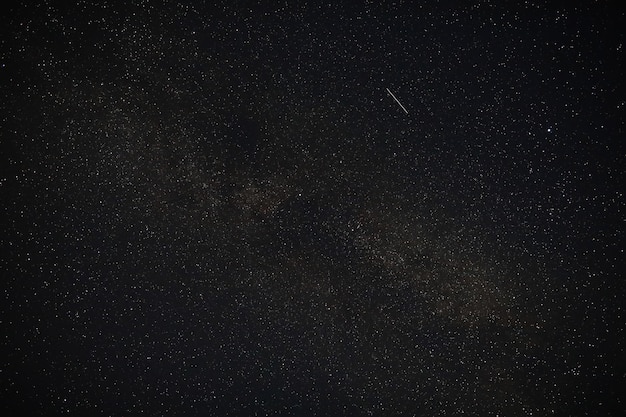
{"type": "Point", "coordinates": [223, 211]}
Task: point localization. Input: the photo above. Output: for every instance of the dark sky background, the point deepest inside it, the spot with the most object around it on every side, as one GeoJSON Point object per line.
{"type": "Point", "coordinates": [220, 211]}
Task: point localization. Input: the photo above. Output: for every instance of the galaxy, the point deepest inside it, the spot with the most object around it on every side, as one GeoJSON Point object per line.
{"type": "Point", "coordinates": [302, 209]}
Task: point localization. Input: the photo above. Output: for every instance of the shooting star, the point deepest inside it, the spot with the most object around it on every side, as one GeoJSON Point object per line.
{"type": "Point", "coordinates": [398, 101]}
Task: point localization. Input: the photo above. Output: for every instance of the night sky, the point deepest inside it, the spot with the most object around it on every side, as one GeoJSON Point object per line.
{"type": "Point", "coordinates": [222, 211]}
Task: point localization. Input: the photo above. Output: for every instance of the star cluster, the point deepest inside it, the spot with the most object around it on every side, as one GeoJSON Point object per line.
{"type": "Point", "coordinates": [220, 210]}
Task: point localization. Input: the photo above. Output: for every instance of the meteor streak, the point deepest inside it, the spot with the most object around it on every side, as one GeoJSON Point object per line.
{"type": "Point", "coordinates": [398, 101]}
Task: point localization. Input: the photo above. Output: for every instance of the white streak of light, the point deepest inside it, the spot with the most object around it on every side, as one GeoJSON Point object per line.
{"type": "Point", "coordinates": [397, 101]}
